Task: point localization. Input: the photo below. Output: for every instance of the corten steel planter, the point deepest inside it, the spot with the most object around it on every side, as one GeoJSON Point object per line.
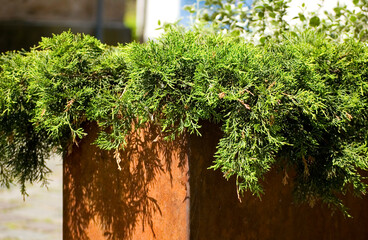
{"type": "Point", "coordinates": [152, 197]}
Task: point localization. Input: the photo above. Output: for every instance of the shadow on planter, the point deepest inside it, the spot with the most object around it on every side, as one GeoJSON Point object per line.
{"type": "Point", "coordinates": [101, 202]}
{"type": "Point", "coordinates": [150, 197]}
{"type": "Point", "coordinates": [217, 214]}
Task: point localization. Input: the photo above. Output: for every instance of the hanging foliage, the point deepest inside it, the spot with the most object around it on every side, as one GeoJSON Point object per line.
{"type": "Point", "coordinates": [300, 105]}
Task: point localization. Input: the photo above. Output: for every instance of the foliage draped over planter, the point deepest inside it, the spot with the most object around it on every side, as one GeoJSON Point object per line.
{"type": "Point", "coordinates": [299, 106]}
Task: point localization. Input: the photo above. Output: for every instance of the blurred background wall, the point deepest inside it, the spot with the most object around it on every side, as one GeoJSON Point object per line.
{"type": "Point", "coordinates": [24, 22]}
{"type": "Point", "coordinates": [80, 10]}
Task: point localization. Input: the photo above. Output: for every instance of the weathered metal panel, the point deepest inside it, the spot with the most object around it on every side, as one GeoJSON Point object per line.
{"type": "Point", "coordinates": [149, 197]}
{"type": "Point", "coordinates": [217, 214]}
{"type": "Point", "coordinates": [146, 199]}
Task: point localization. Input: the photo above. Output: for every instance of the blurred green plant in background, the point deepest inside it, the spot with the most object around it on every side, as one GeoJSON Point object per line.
{"type": "Point", "coordinates": [266, 19]}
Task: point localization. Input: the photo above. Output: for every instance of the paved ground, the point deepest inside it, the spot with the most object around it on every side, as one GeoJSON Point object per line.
{"type": "Point", "coordinates": [40, 216]}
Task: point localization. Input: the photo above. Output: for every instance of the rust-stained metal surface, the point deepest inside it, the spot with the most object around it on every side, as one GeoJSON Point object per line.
{"type": "Point", "coordinates": [217, 214]}
{"type": "Point", "coordinates": [147, 199]}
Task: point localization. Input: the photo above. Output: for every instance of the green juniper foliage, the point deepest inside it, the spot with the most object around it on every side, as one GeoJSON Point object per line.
{"type": "Point", "coordinates": [300, 106]}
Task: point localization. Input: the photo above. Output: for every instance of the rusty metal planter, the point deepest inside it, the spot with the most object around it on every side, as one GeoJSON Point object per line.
{"type": "Point", "coordinates": [165, 191]}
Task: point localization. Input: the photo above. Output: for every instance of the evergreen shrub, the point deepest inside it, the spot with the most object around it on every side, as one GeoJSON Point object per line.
{"type": "Point", "coordinates": [299, 105]}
